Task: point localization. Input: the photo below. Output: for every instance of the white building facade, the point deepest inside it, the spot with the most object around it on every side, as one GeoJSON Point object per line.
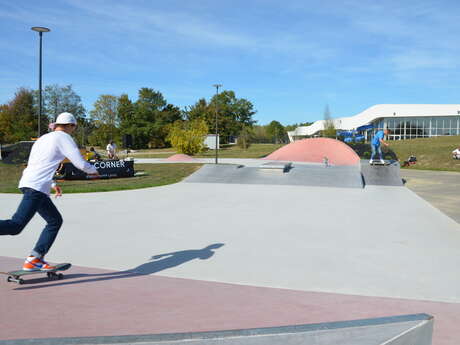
{"type": "Point", "coordinates": [406, 121]}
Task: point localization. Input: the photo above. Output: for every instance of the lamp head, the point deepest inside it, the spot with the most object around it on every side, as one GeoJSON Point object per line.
{"type": "Point", "coordinates": [40, 29]}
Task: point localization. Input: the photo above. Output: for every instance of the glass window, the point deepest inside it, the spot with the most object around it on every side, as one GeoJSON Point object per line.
{"type": "Point", "coordinates": [437, 123]}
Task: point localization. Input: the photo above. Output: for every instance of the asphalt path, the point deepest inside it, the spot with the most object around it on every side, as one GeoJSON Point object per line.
{"type": "Point", "coordinates": [440, 188]}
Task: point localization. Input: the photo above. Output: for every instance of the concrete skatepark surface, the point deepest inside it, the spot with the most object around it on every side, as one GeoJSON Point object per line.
{"type": "Point", "coordinates": [213, 256]}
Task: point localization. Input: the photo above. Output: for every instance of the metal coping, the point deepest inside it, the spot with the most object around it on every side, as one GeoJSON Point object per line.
{"type": "Point", "coordinates": [219, 334]}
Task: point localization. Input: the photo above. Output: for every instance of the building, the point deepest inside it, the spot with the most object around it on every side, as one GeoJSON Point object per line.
{"type": "Point", "coordinates": [406, 121]}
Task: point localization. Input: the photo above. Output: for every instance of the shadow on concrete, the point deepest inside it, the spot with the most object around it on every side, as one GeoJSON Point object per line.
{"type": "Point", "coordinates": [157, 263]}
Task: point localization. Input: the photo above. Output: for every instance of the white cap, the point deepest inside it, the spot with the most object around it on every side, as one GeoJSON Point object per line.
{"type": "Point", "coordinates": [65, 119]}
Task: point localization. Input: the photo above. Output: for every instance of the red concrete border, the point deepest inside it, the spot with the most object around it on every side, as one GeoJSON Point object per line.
{"type": "Point", "coordinates": [94, 302]}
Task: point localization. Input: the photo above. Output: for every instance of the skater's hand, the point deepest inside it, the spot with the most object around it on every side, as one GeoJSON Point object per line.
{"type": "Point", "coordinates": [57, 191]}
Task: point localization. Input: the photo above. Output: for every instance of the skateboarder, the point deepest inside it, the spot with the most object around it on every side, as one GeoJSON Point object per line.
{"type": "Point", "coordinates": [375, 145]}
{"type": "Point", "coordinates": [35, 184]}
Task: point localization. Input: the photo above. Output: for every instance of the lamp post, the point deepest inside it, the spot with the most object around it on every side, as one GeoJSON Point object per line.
{"type": "Point", "coordinates": [217, 136]}
{"type": "Point", "coordinates": [40, 31]}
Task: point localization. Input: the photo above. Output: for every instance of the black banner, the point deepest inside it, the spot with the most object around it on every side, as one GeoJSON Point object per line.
{"type": "Point", "coordinates": [106, 169]}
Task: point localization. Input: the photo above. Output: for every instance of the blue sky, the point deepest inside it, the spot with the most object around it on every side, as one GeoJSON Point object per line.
{"type": "Point", "coordinates": [288, 58]}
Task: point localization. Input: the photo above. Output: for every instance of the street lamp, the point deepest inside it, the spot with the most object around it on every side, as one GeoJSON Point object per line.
{"type": "Point", "coordinates": [40, 31]}
{"type": "Point", "coordinates": [217, 140]}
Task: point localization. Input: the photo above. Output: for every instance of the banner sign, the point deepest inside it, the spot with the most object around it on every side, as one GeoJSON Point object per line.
{"type": "Point", "coordinates": [106, 169]}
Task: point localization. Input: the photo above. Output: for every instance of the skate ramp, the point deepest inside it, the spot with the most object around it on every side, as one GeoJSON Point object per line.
{"type": "Point", "coordinates": [315, 150]}
{"type": "Point", "coordinates": [297, 175]}
{"type": "Point", "coordinates": [376, 175]}
{"type": "Point", "coordinates": [399, 330]}
{"type": "Point", "coordinates": [16, 153]}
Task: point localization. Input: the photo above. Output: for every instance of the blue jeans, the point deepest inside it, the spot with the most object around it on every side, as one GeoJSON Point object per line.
{"type": "Point", "coordinates": [33, 202]}
{"type": "Point", "coordinates": [376, 149]}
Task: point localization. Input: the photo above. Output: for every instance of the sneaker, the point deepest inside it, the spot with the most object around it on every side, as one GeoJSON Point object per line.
{"type": "Point", "coordinates": [33, 263]}
{"type": "Point", "coordinates": [46, 266]}
{"type": "Point", "coordinates": [382, 161]}
{"type": "Point", "coordinates": [371, 161]}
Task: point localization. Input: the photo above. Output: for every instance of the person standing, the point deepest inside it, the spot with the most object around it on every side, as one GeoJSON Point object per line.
{"type": "Point", "coordinates": [35, 184]}
{"type": "Point", "coordinates": [111, 150]}
{"type": "Point", "coordinates": [375, 145]}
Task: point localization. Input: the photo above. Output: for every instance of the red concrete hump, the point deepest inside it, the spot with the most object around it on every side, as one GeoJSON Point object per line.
{"type": "Point", "coordinates": [180, 158]}
{"type": "Point", "coordinates": [314, 150]}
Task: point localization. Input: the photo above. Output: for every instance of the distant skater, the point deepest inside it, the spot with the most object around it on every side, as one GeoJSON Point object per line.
{"type": "Point", "coordinates": [375, 145]}
{"type": "Point", "coordinates": [35, 184]}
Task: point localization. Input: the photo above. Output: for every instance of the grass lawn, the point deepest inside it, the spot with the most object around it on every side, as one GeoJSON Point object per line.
{"type": "Point", "coordinates": [432, 153]}
{"type": "Point", "coordinates": [156, 175]}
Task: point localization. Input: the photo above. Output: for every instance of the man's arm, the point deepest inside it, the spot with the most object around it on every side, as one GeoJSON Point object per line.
{"type": "Point", "coordinates": [383, 142]}
{"type": "Point", "coordinates": [70, 150]}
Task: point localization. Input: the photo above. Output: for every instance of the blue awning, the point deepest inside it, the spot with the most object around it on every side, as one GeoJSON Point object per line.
{"type": "Point", "coordinates": [365, 127]}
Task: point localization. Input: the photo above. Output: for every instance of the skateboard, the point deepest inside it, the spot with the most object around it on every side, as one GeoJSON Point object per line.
{"type": "Point", "coordinates": [15, 276]}
{"type": "Point", "coordinates": [379, 163]}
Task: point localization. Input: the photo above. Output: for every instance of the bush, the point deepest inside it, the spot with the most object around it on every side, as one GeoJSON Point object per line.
{"type": "Point", "coordinates": [188, 136]}
{"type": "Point", "coordinates": [245, 138]}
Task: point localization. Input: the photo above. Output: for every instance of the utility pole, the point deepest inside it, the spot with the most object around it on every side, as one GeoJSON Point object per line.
{"type": "Point", "coordinates": [217, 133]}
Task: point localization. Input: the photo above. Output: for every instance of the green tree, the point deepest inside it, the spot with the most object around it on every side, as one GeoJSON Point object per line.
{"type": "Point", "coordinates": [233, 113]}
{"type": "Point", "coordinates": [277, 132]}
{"type": "Point", "coordinates": [260, 134]}
{"type": "Point", "coordinates": [58, 99]}
{"type": "Point", "coordinates": [18, 118]}
{"type": "Point", "coordinates": [126, 114]}
{"type": "Point", "coordinates": [150, 119]}
{"type": "Point", "coordinates": [292, 127]}
{"type": "Point", "coordinates": [245, 137]}
{"type": "Point", "coordinates": [6, 125]}
{"type": "Point", "coordinates": [188, 136]}
{"type": "Point", "coordinates": [105, 119]}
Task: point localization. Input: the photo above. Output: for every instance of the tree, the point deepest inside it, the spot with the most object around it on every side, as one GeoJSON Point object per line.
{"type": "Point", "coordinates": [6, 125]}
{"type": "Point", "coordinates": [292, 127]}
{"type": "Point", "coordinates": [18, 118]}
{"type": "Point", "coordinates": [126, 115]}
{"type": "Point", "coordinates": [188, 136]}
{"type": "Point", "coordinates": [329, 126]}
{"type": "Point", "coordinates": [106, 120]}
{"type": "Point", "coordinates": [148, 130]}
{"type": "Point", "coordinates": [277, 132]}
{"type": "Point", "coordinates": [245, 137]}
{"type": "Point", "coordinates": [58, 99]}
{"type": "Point", "coordinates": [233, 113]}
{"type": "Point", "coordinates": [260, 134]}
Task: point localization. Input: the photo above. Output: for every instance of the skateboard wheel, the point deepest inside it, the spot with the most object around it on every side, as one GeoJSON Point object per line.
{"type": "Point", "coordinates": [60, 276]}
{"type": "Point", "coordinates": [9, 279]}
{"type": "Point", "coordinates": [20, 281]}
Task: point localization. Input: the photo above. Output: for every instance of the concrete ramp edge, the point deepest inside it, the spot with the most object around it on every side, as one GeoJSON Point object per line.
{"type": "Point", "coordinates": [414, 329]}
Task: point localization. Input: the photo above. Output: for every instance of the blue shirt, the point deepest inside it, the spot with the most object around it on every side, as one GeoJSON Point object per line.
{"type": "Point", "coordinates": [379, 135]}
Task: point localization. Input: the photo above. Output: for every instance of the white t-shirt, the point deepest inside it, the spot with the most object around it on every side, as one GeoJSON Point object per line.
{"type": "Point", "coordinates": [110, 148]}
{"type": "Point", "coordinates": [46, 155]}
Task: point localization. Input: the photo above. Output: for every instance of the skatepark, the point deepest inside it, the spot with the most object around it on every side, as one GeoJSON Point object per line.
{"type": "Point", "coordinates": [243, 251]}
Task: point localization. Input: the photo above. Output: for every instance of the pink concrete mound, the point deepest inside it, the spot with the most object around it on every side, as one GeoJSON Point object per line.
{"type": "Point", "coordinates": [314, 150]}
{"type": "Point", "coordinates": [180, 158]}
